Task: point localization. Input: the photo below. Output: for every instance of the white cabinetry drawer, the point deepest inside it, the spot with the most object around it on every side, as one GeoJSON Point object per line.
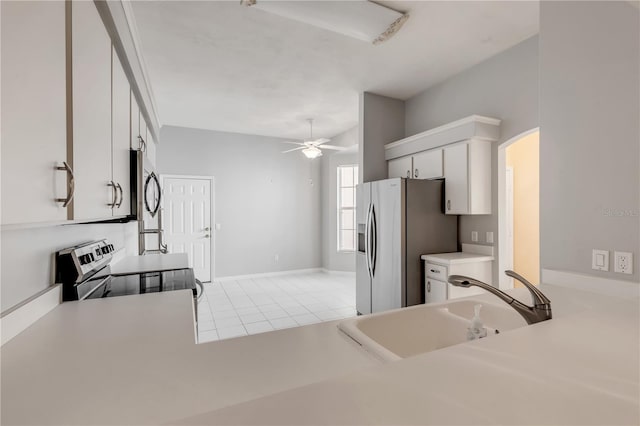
{"type": "Point", "coordinates": [437, 272]}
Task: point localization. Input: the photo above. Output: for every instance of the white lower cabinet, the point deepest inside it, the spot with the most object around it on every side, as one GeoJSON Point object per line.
{"type": "Point", "coordinates": [34, 126]}
{"type": "Point", "coordinates": [435, 291]}
{"type": "Point", "coordinates": [439, 267]}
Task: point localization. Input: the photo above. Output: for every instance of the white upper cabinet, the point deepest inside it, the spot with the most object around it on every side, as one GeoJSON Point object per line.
{"type": "Point", "coordinates": [400, 167]}
{"type": "Point", "coordinates": [151, 148]}
{"type": "Point", "coordinates": [467, 174]}
{"type": "Point", "coordinates": [121, 137]}
{"type": "Point", "coordinates": [460, 152]}
{"type": "Point", "coordinates": [423, 165]}
{"type": "Point", "coordinates": [34, 135]}
{"type": "Point", "coordinates": [91, 77]}
{"type": "Point", "coordinates": [135, 123]}
{"type": "Point", "coordinates": [428, 164]}
{"type": "Point", "coordinates": [456, 175]}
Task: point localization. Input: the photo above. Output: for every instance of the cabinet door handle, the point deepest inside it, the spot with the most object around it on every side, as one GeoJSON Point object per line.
{"type": "Point", "coordinates": [121, 195]}
{"type": "Point", "coordinates": [114, 200]}
{"type": "Point", "coordinates": [71, 184]}
{"type": "Point", "coordinates": [416, 173]}
{"type": "Point", "coordinates": [408, 173]}
{"type": "Point", "coordinates": [448, 204]}
{"type": "Point", "coordinates": [428, 286]}
{"type": "Point", "coordinates": [143, 144]}
{"type": "Point", "coordinates": [435, 271]}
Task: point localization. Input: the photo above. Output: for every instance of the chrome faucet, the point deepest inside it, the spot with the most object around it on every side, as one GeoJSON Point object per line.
{"type": "Point", "coordinates": [540, 311]}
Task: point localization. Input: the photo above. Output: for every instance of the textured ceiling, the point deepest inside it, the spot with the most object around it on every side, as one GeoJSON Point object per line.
{"type": "Point", "coordinates": [218, 65]}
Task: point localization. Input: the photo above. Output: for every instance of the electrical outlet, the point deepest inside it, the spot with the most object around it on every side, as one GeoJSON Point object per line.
{"type": "Point", "coordinates": [623, 262]}
{"type": "Point", "coordinates": [490, 237]}
{"type": "Point", "coordinates": [474, 236]}
{"type": "Point", "coordinates": [600, 260]}
{"type": "Point", "coordinates": [276, 257]}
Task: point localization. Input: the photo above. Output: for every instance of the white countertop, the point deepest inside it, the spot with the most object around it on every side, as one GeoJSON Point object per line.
{"type": "Point", "coordinates": [132, 360]}
{"type": "Point", "coordinates": [579, 368]}
{"type": "Point", "coordinates": [456, 258]}
{"type": "Point", "coordinates": [150, 263]}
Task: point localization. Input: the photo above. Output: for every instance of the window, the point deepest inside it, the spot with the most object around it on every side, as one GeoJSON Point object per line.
{"type": "Point", "coordinates": [347, 180]}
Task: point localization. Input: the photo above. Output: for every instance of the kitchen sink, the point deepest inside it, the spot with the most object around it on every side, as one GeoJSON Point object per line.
{"type": "Point", "coordinates": [406, 332]}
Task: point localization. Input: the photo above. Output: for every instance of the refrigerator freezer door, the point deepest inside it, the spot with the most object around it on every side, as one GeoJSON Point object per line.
{"type": "Point", "coordinates": [388, 283]}
{"type": "Point", "coordinates": [363, 278]}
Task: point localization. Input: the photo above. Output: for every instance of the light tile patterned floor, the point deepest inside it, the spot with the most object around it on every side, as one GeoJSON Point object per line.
{"type": "Point", "coordinates": [250, 306]}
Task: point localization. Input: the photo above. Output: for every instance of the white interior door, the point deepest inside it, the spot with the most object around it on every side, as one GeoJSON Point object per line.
{"type": "Point", "coordinates": [187, 223]}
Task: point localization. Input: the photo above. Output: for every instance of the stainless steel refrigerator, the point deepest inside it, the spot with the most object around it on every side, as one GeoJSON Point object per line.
{"type": "Point", "coordinates": [398, 220]}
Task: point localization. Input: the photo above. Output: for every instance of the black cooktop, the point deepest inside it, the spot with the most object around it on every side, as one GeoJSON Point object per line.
{"type": "Point", "coordinates": [150, 282]}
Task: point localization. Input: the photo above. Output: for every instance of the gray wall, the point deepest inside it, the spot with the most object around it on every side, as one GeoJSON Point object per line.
{"type": "Point", "coordinates": [331, 258]}
{"type": "Point", "coordinates": [381, 122]}
{"type": "Point", "coordinates": [589, 140]}
{"type": "Point", "coordinates": [504, 86]}
{"type": "Point", "coordinates": [264, 199]}
{"type": "Point", "coordinates": [27, 254]}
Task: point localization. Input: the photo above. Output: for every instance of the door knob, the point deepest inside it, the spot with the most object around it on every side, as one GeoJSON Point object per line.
{"type": "Point", "coordinates": [207, 236]}
{"type": "Point", "coordinates": [207, 229]}
{"type": "Point", "coordinates": [416, 173]}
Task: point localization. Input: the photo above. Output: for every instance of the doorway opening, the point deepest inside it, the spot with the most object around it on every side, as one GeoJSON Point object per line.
{"type": "Point", "coordinates": [519, 208]}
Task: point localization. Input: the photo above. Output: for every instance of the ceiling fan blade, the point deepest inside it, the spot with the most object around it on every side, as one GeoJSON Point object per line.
{"type": "Point", "coordinates": [293, 143]}
{"type": "Point", "coordinates": [320, 141]}
{"type": "Point", "coordinates": [294, 149]}
{"type": "Point", "coordinates": [337, 148]}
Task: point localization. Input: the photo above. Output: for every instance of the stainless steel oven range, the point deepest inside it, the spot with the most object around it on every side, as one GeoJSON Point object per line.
{"type": "Point", "coordinates": [85, 274]}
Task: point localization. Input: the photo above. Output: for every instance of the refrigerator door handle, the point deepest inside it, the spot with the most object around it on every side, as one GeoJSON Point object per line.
{"type": "Point", "coordinates": [374, 234]}
{"type": "Point", "coordinates": [367, 240]}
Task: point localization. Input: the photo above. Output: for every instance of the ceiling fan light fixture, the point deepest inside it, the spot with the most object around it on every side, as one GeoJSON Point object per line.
{"type": "Point", "coordinates": [312, 152]}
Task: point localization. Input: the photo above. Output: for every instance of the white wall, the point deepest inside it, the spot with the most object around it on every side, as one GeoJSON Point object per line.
{"type": "Point", "coordinates": [28, 254]}
{"type": "Point", "coordinates": [264, 199]}
{"type": "Point", "coordinates": [590, 133]}
{"type": "Point", "coordinates": [381, 122]}
{"type": "Point", "coordinates": [332, 259]}
{"type": "Point", "coordinates": [504, 86]}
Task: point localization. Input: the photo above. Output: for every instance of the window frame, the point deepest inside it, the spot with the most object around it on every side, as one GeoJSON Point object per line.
{"type": "Point", "coordinates": [339, 225]}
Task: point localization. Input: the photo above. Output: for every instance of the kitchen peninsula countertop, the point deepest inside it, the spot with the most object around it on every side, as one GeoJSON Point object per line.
{"type": "Point", "coordinates": [132, 360]}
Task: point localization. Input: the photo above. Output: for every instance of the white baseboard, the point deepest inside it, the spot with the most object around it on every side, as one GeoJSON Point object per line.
{"type": "Point", "coordinates": [607, 286]}
{"type": "Point", "coordinates": [344, 273]}
{"type": "Point", "coordinates": [17, 319]}
{"type": "Point", "coordinates": [267, 274]}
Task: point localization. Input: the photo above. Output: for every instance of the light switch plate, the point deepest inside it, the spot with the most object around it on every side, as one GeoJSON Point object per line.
{"type": "Point", "coordinates": [623, 262]}
{"type": "Point", "coordinates": [490, 237]}
{"type": "Point", "coordinates": [474, 236]}
{"type": "Point", "coordinates": [600, 260]}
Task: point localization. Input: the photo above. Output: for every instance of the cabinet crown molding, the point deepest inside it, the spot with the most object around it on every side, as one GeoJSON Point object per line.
{"type": "Point", "coordinates": [472, 127]}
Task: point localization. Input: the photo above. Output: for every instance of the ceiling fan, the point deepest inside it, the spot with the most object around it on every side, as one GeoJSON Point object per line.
{"type": "Point", "coordinates": [312, 148]}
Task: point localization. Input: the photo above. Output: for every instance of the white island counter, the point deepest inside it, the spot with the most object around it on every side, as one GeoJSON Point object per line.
{"type": "Point", "coordinates": [133, 360]}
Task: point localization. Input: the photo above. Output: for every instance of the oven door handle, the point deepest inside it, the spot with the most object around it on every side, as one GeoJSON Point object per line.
{"type": "Point", "coordinates": [199, 284]}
